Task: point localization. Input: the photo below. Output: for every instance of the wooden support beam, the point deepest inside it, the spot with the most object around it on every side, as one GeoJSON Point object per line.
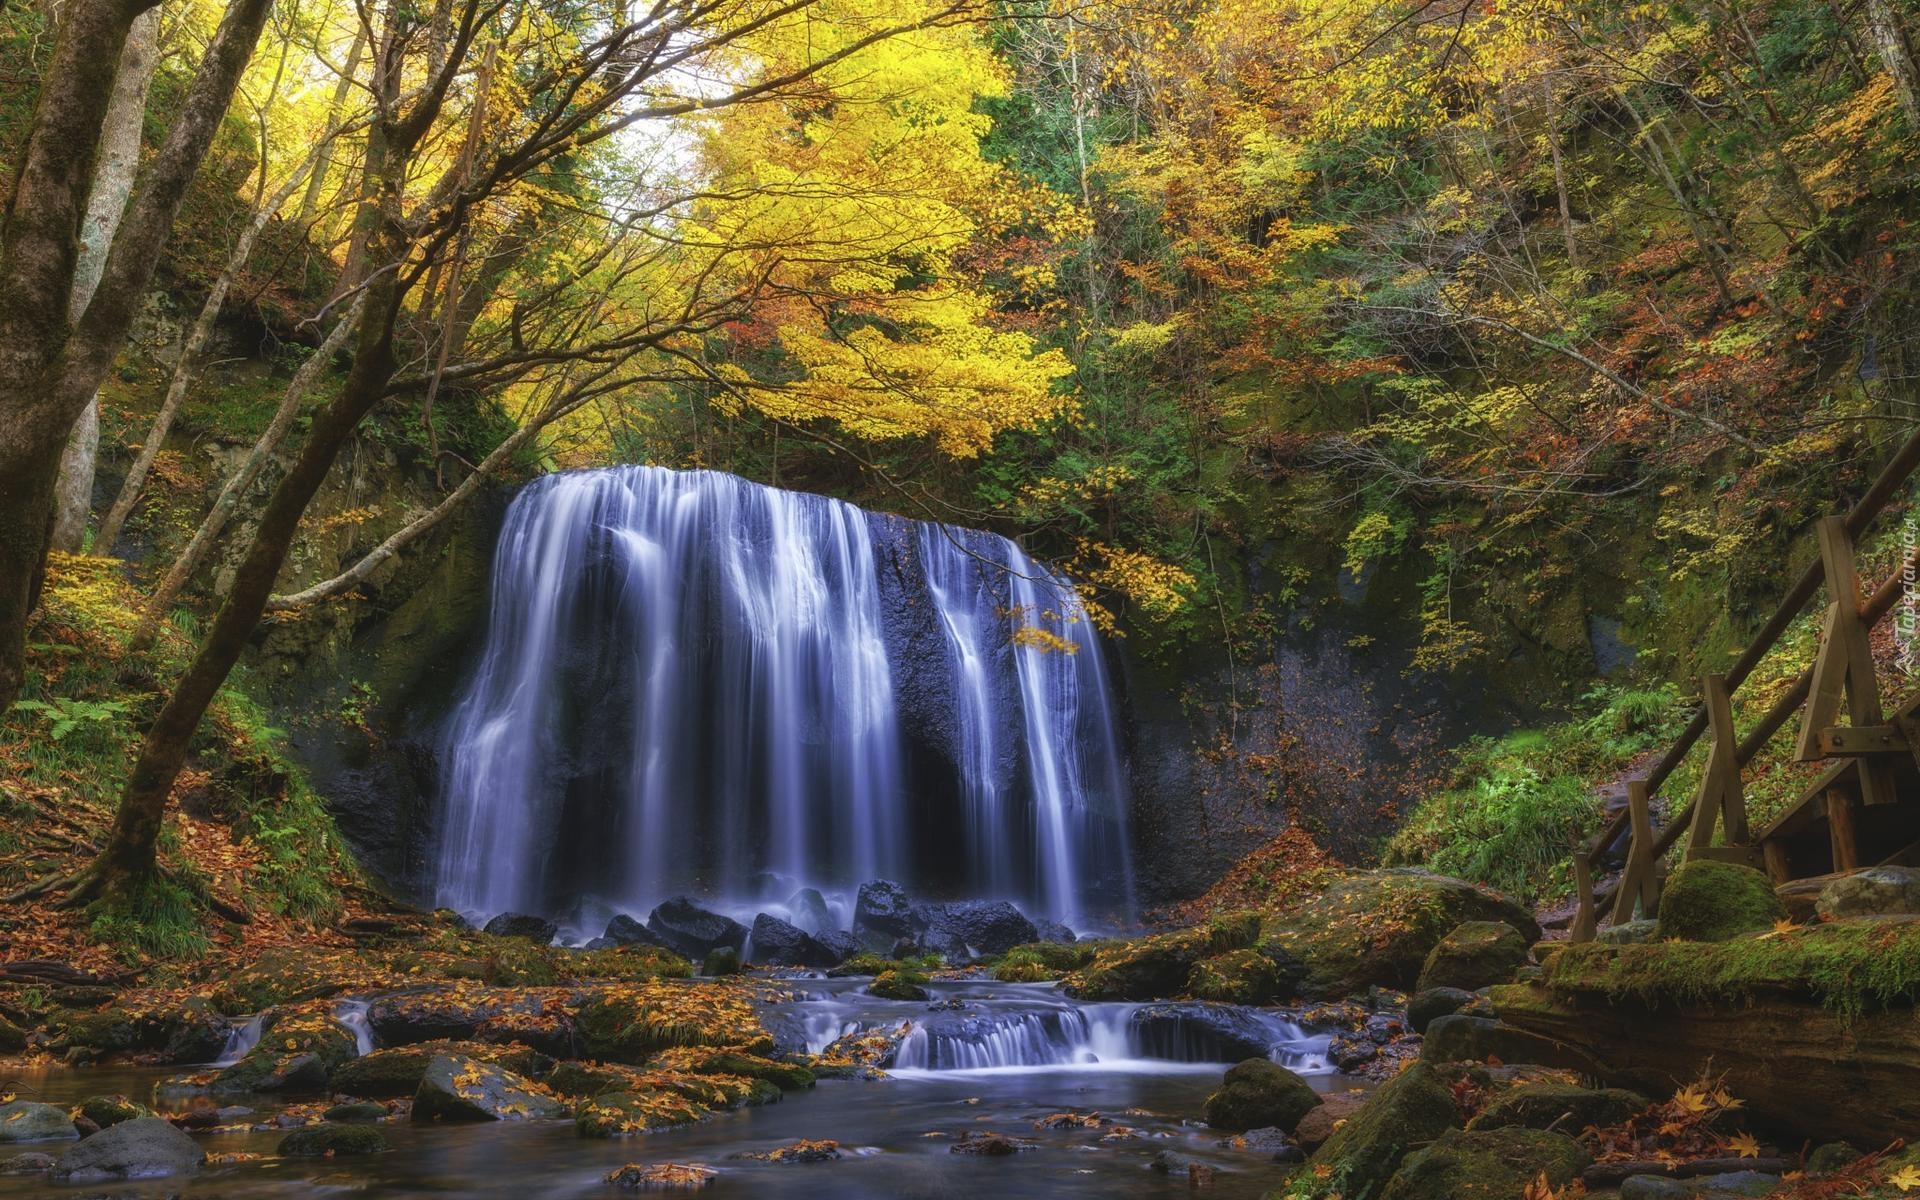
{"type": "Point", "coordinates": [1844, 741]}
{"type": "Point", "coordinates": [1586, 918]}
{"type": "Point", "coordinates": [1779, 867]}
{"type": "Point", "coordinates": [1846, 846]}
{"type": "Point", "coordinates": [1638, 883]}
{"type": "Point", "coordinates": [1720, 795]}
{"type": "Point", "coordinates": [1843, 673]}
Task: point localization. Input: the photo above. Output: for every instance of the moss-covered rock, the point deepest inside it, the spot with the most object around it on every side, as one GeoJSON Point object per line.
{"type": "Point", "coordinates": [13, 1039]}
{"type": "Point", "coordinates": [1461, 1037]}
{"type": "Point", "coordinates": [1239, 977]}
{"type": "Point", "coordinates": [1425, 1007]}
{"type": "Point", "coordinates": [1557, 1106]}
{"type": "Point", "coordinates": [297, 1053]}
{"type": "Point", "coordinates": [1872, 892]}
{"type": "Point", "coordinates": [1160, 966]}
{"type": "Point", "coordinates": [1036, 961]}
{"type": "Point", "coordinates": [631, 1022]}
{"type": "Point", "coordinates": [1708, 901]}
{"type": "Point", "coordinates": [898, 984]}
{"type": "Point", "coordinates": [105, 1111]}
{"type": "Point", "coordinates": [459, 1088]}
{"type": "Point", "coordinates": [1474, 955]}
{"type": "Point", "coordinates": [1376, 928]}
{"type": "Point", "coordinates": [624, 1114]}
{"type": "Point", "coordinates": [326, 1140]}
{"type": "Point", "coordinates": [1414, 1107]}
{"type": "Point", "coordinates": [788, 1077]}
{"type": "Point", "coordinates": [1493, 1164]}
{"type": "Point", "coordinates": [398, 1070]}
{"type": "Point", "coordinates": [1259, 1093]}
{"type": "Point", "coordinates": [358, 1110]}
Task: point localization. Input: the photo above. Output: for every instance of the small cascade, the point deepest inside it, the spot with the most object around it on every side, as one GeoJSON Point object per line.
{"type": "Point", "coordinates": [690, 680]}
{"type": "Point", "coordinates": [353, 1014]}
{"type": "Point", "coordinates": [1020, 1039]}
{"type": "Point", "coordinates": [241, 1037]}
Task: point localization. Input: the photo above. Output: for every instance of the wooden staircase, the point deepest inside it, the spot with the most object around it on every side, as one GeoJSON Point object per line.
{"type": "Point", "coordinates": [1863, 809]}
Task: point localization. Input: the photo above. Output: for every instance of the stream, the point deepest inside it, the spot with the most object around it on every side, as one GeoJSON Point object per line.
{"type": "Point", "coordinates": [983, 1056]}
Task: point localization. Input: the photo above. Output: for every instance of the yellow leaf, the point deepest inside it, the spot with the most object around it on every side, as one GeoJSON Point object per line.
{"type": "Point", "coordinates": [1906, 1178]}
{"type": "Point", "coordinates": [1744, 1145]}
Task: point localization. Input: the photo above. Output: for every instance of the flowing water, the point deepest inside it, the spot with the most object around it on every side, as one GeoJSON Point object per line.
{"type": "Point", "coordinates": [690, 681]}
{"type": "Point", "coordinates": [993, 1057]}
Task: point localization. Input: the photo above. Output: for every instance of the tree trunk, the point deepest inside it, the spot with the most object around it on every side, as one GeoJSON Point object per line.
{"type": "Point", "coordinates": [1890, 39]}
{"type": "Point", "coordinates": [113, 177]}
{"type": "Point", "coordinates": [50, 366]}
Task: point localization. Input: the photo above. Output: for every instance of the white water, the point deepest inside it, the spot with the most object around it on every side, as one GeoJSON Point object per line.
{"type": "Point", "coordinates": [242, 1037]}
{"type": "Point", "coordinates": [689, 678]}
{"type": "Point", "coordinates": [353, 1014]}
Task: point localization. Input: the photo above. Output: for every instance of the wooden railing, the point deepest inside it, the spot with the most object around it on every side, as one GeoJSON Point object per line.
{"type": "Point", "coordinates": [1843, 671]}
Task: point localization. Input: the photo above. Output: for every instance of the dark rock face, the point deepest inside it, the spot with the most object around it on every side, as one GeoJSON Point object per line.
{"type": "Point", "coordinates": [686, 928]}
{"type": "Point", "coordinates": [981, 926]}
{"type": "Point", "coordinates": [1558, 1106]}
{"type": "Point", "coordinates": [883, 908]}
{"type": "Point", "coordinates": [784, 945]}
{"type": "Point", "coordinates": [538, 930]}
{"type": "Point", "coordinates": [1199, 1032]}
{"type": "Point", "coordinates": [623, 930]}
{"type": "Point", "coordinates": [145, 1148]}
{"type": "Point", "coordinates": [1053, 931]}
{"type": "Point", "coordinates": [1461, 1038]}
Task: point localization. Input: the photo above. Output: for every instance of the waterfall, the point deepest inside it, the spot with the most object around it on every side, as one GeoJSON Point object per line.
{"type": "Point", "coordinates": [689, 679]}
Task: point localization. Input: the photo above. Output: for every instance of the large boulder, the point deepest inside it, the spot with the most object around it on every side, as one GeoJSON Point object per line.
{"type": "Point", "coordinates": [1560, 1106]}
{"type": "Point", "coordinates": [296, 1054]}
{"type": "Point", "coordinates": [27, 1121]}
{"type": "Point", "coordinates": [1430, 1005]}
{"type": "Point", "coordinates": [839, 944]}
{"type": "Point", "coordinates": [1492, 1164]}
{"type": "Point", "coordinates": [1258, 1093]}
{"type": "Point", "coordinates": [781, 944]}
{"type": "Point", "coordinates": [1459, 1037]}
{"type": "Point", "coordinates": [537, 930]}
{"type": "Point", "coordinates": [1411, 1109]}
{"type": "Point", "coordinates": [1708, 901]}
{"type": "Point", "coordinates": [1334, 1110]}
{"type": "Point", "coordinates": [685, 927]}
{"type": "Point", "coordinates": [623, 930]}
{"type": "Point", "coordinates": [807, 908]}
{"type": "Point", "coordinates": [1246, 977]}
{"type": "Point", "coordinates": [140, 1149]}
{"type": "Point", "coordinates": [630, 1023]}
{"type": "Point", "coordinates": [1873, 892]}
{"type": "Point", "coordinates": [1148, 968]}
{"type": "Point", "coordinates": [1476, 954]}
{"type": "Point", "coordinates": [883, 909]}
{"type": "Point", "coordinates": [1376, 928]}
{"type": "Point", "coordinates": [977, 927]}
{"type": "Point", "coordinates": [458, 1088]}
{"type": "Point", "coordinates": [398, 1070]}
{"type": "Point", "coordinates": [107, 1111]}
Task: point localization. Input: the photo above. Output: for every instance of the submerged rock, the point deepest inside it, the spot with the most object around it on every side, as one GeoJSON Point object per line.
{"type": "Point", "coordinates": [1260, 1092]}
{"type": "Point", "coordinates": [1474, 955]}
{"type": "Point", "coordinates": [686, 928]}
{"type": "Point", "coordinates": [31, 1163]}
{"type": "Point", "coordinates": [1494, 1164]}
{"type": "Point", "coordinates": [986, 1143]}
{"type": "Point", "coordinates": [458, 1088]}
{"type": "Point", "coordinates": [537, 930]}
{"type": "Point", "coordinates": [803, 1151]}
{"type": "Point", "coordinates": [662, 1177]}
{"type": "Point", "coordinates": [808, 910]}
{"type": "Point", "coordinates": [144, 1148]}
{"type": "Point", "coordinates": [27, 1121]}
{"type": "Point", "coordinates": [1194, 1031]}
{"type": "Point", "coordinates": [786, 945]}
{"type": "Point", "coordinates": [1708, 901]}
{"type": "Point", "coordinates": [320, 1141]}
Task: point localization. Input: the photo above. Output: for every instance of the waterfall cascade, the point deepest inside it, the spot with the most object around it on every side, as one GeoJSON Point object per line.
{"type": "Point", "coordinates": [690, 680]}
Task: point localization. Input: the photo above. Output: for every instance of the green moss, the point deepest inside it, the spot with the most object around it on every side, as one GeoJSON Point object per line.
{"type": "Point", "coordinates": [1236, 977]}
{"type": "Point", "coordinates": [899, 984]}
{"type": "Point", "coordinates": [1493, 1164]}
{"type": "Point", "coordinates": [1850, 968]}
{"type": "Point", "coordinates": [1707, 901]}
{"type": "Point", "coordinates": [1259, 1093]}
{"type": "Point", "coordinates": [1414, 1107]}
{"type": "Point", "coordinates": [1043, 960]}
